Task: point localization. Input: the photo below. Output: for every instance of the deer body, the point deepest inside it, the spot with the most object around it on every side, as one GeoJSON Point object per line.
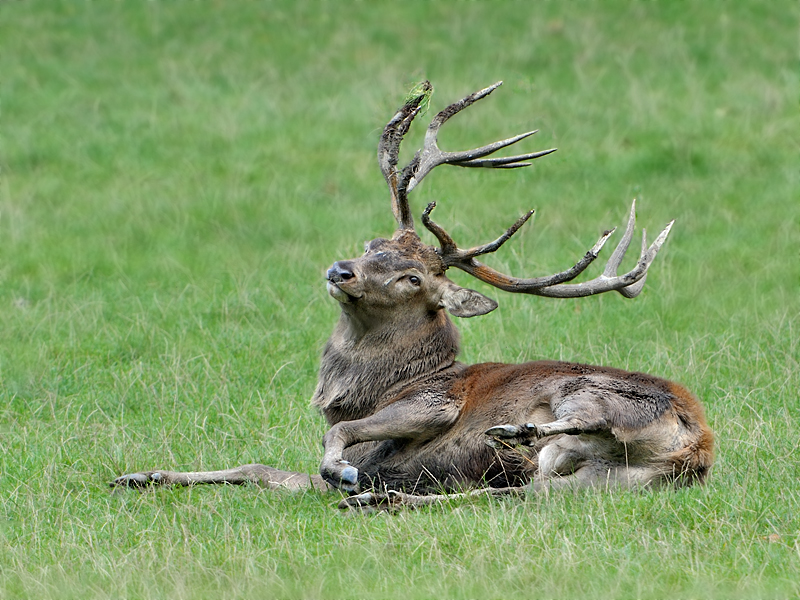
{"type": "Point", "coordinates": [414, 419]}
{"type": "Point", "coordinates": [406, 417]}
{"type": "Point", "coordinates": [643, 445]}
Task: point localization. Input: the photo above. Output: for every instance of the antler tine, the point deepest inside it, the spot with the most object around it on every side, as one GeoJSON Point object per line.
{"type": "Point", "coordinates": [629, 284]}
{"type": "Point", "coordinates": [647, 256]}
{"type": "Point", "coordinates": [389, 150]}
{"type": "Point", "coordinates": [505, 162]}
{"type": "Point", "coordinates": [635, 289]}
{"type": "Point", "coordinates": [619, 252]}
{"type": "Point", "coordinates": [432, 156]}
{"type": "Point", "coordinates": [555, 286]}
{"type": "Point", "coordinates": [452, 254]}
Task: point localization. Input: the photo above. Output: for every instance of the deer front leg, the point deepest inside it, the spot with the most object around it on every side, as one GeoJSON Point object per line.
{"type": "Point", "coordinates": [261, 475]}
{"type": "Point", "coordinates": [416, 418]}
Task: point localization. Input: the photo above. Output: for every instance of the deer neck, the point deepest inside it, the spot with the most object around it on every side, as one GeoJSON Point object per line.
{"type": "Point", "coordinates": [363, 370]}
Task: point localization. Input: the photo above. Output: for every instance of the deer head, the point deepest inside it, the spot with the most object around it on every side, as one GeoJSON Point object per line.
{"type": "Point", "coordinates": [401, 280]}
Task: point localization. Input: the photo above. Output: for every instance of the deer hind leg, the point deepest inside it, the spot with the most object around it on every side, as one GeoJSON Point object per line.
{"type": "Point", "coordinates": [502, 436]}
{"type": "Point", "coordinates": [575, 414]}
{"type": "Point", "coordinates": [589, 461]}
{"type": "Point", "coordinates": [393, 500]}
{"type": "Point", "coordinates": [260, 475]}
{"type": "Point", "coordinates": [599, 474]}
{"type": "Point", "coordinates": [592, 474]}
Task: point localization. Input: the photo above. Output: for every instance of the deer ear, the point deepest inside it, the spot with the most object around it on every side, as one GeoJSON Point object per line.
{"type": "Point", "coordinates": [461, 302]}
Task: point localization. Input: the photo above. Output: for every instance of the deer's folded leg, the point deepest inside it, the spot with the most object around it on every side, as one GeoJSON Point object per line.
{"type": "Point", "coordinates": [418, 418]}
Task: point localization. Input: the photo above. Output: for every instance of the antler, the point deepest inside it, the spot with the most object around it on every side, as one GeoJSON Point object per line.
{"type": "Point", "coordinates": [431, 156]}
{"type": "Point", "coordinates": [555, 286]}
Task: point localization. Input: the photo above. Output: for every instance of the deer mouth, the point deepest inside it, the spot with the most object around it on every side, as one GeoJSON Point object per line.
{"type": "Point", "coordinates": [337, 293]}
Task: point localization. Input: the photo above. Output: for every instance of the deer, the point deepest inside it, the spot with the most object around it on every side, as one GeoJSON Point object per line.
{"type": "Point", "coordinates": [410, 425]}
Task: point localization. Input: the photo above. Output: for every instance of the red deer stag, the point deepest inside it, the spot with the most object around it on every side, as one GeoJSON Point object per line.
{"type": "Point", "coordinates": [406, 417]}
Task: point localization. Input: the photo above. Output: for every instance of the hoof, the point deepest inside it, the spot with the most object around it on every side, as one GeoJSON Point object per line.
{"type": "Point", "coordinates": [505, 436]}
{"type": "Point", "coordinates": [362, 500]}
{"type": "Point", "coordinates": [344, 477]}
{"type": "Point", "coordinates": [349, 475]}
{"type": "Point", "coordinates": [511, 431]}
{"type": "Point", "coordinates": [138, 480]}
{"type": "Point", "coordinates": [503, 431]}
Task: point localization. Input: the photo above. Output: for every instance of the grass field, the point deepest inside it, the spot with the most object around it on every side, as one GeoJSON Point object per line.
{"type": "Point", "coordinates": [175, 177]}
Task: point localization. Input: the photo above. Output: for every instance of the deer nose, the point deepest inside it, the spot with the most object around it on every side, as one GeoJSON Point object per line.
{"type": "Point", "coordinates": [340, 271]}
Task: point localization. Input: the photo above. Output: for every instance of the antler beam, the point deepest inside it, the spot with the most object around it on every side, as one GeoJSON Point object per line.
{"type": "Point", "coordinates": [555, 286]}
{"type": "Point", "coordinates": [431, 156]}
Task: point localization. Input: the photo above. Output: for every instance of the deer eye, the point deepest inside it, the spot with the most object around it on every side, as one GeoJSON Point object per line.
{"type": "Point", "coordinates": [414, 280]}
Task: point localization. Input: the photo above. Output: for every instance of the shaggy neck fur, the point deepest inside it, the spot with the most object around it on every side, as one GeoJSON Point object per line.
{"type": "Point", "coordinates": [357, 371]}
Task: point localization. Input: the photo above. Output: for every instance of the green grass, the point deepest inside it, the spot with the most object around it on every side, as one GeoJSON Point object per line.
{"type": "Point", "coordinates": [176, 176]}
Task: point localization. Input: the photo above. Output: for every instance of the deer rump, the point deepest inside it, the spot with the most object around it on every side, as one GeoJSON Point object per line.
{"type": "Point", "coordinates": [408, 422]}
